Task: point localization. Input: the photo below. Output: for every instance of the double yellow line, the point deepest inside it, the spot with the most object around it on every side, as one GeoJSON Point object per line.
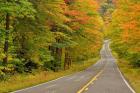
{"type": "Point", "coordinates": [90, 82]}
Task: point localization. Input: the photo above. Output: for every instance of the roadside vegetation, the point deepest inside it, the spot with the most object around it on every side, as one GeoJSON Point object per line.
{"type": "Point", "coordinates": [131, 74]}
{"type": "Point", "coordinates": [41, 40]}
{"type": "Point", "coordinates": [19, 81]}
{"type": "Point", "coordinates": [124, 31]}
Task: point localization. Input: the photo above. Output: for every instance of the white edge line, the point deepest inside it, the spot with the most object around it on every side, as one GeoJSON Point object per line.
{"type": "Point", "coordinates": [128, 85]}
{"type": "Point", "coordinates": [42, 83]}
{"type": "Point", "coordinates": [46, 82]}
{"type": "Point", "coordinates": [49, 81]}
{"type": "Point", "coordinates": [38, 85]}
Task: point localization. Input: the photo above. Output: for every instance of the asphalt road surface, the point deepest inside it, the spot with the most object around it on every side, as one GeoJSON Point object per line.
{"type": "Point", "coordinates": [103, 77]}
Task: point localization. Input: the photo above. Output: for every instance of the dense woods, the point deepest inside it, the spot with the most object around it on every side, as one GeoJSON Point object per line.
{"type": "Point", "coordinates": [125, 30]}
{"type": "Point", "coordinates": [47, 34]}
{"type": "Point", "coordinates": [53, 36]}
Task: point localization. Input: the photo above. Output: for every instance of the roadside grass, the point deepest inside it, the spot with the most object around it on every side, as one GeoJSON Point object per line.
{"type": "Point", "coordinates": [131, 74]}
{"type": "Point", "coordinates": [20, 81]}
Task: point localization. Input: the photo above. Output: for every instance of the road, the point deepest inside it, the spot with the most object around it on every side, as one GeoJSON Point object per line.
{"type": "Point", "coordinates": [103, 77]}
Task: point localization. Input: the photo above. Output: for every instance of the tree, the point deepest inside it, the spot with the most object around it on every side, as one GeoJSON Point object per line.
{"type": "Point", "coordinates": [86, 24]}
{"type": "Point", "coordinates": [51, 39]}
{"type": "Point", "coordinates": [12, 9]}
{"type": "Point", "coordinates": [125, 30]}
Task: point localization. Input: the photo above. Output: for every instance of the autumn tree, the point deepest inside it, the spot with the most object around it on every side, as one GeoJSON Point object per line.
{"type": "Point", "coordinates": [50, 34]}
{"type": "Point", "coordinates": [125, 30]}
{"type": "Point", "coordinates": [84, 18]}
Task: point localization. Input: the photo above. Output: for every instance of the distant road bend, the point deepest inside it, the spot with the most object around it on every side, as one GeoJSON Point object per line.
{"type": "Point", "coordinates": [103, 77]}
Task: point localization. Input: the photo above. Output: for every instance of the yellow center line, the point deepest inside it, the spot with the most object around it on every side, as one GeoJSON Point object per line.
{"type": "Point", "coordinates": [90, 82]}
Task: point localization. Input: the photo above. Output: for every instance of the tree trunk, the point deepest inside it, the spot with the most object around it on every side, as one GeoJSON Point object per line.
{"type": "Point", "coordinates": [63, 58]}
{"type": "Point", "coordinates": [6, 44]}
{"type": "Point", "coordinates": [66, 61]}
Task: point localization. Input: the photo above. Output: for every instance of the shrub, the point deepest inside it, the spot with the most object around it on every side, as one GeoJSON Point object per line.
{"type": "Point", "coordinates": [18, 65]}
{"type": "Point", "coordinates": [135, 59]}
{"type": "Point", "coordinates": [2, 75]}
{"type": "Point", "coordinates": [4, 72]}
{"type": "Point", "coordinates": [30, 65]}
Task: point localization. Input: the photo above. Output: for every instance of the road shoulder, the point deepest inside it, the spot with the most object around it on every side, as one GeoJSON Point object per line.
{"type": "Point", "coordinates": [131, 74]}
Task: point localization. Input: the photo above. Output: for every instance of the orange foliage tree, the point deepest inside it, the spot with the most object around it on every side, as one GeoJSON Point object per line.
{"type": "Point", "coordinates": [125, 30]}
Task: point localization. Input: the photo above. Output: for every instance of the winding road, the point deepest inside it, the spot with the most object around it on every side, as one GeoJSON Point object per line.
{"type": "Point", "coordinates": [102, 77]}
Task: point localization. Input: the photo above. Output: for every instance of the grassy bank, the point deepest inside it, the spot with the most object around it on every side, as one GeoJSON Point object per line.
{"type": "Point", "coordinates": [132, 74]}
{"type": "Point", "coordinates": [26, 80]}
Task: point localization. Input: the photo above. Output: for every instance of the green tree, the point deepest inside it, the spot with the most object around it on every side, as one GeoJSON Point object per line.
{"type": "Point", "coordinates": [12, 9]}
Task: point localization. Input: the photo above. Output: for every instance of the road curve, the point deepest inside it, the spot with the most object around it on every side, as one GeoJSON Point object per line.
{"type": "Point", "coordinates": [103, 77]}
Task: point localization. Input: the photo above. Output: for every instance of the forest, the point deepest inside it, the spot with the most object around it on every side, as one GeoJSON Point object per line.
{"type": "Point", "coordinates": [124, 30]}
{"type": "Point", "coordinates": [53, 35]}
{"type": "Point", "coordinates": [48, 34]}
